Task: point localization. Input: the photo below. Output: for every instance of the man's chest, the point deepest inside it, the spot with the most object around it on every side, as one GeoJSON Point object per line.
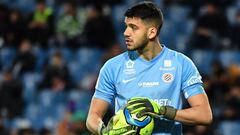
{"type": "Point", "coordinates": [147, 80]}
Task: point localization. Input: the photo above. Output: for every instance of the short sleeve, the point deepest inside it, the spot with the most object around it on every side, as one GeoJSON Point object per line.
{"type": "Point", "coordinates": [191, 79]}
{"type": "Point", "coordinates": [105, 88]}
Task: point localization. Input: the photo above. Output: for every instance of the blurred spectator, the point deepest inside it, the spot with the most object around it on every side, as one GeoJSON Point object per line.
{"type": "Point", "coordinates": [196, 4]}
{"type": "Point", "coordinates": [45, 131]}
{"type": "Point", "coordinates": [229, 121]}
{"type": "Point", "coordinates": [78, 123]}
{"type": "Point", "coordinates": [41, 24]}
{"type": "Point", "coordinates": [73, 124]}
{"type": "Point", "coordinates": [108, 2]}
{"type": "Point", "coordinates": [99, 30]}
{"type": "Point", "coordinates": [16, 28]}
{"type": "Point", "coordinates": [28, 131]}
{"type": "Point", "coordinates": [111, 52]}
{"type": "Point", "coordinates": [25, 60]}
{"type": "Point", "coordinates": [199, 130]}
{"type": "Point", "coordinates": [219, 81]}
{"type": "Point", "coordinates": [3, 129]}
{"type": "Point", "coordinates": [234, 72]}
{"type": "Point", "coordinates": [70, 24]}
{"type": "Point", "coordinates": [3, 19]}
{"type": "Point", "coordinates": [211, 26]}
{"type": "Point", "coordinates": [56, 74]}
{"type": "Point", "coordinates": [11, 101]}
{"type": "Point", "coordinates": [235, 32]}
{"type": "Point", "coordinates": [232, 100]}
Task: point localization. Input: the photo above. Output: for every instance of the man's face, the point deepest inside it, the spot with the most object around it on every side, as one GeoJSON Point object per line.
{"type": "Point", "coordinates": [40, 7]}
{"type": "Point", "coordinates": [135, 33]}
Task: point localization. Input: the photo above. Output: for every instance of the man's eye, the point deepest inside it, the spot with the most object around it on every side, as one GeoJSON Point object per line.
{"type": "Point", "coordinates": [134, 27]}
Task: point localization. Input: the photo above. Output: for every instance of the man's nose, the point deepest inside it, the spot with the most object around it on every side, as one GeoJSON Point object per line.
{"type": "Point", "coordinates": [126, 33]}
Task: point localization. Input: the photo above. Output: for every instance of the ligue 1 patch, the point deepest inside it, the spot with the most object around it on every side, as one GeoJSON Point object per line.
{"type": "Point", "coordinates": [129, 64]}
{"type": "Point", "coordinates": [167, 77]}
{"type": "Point", "coordinates": [129, 70]}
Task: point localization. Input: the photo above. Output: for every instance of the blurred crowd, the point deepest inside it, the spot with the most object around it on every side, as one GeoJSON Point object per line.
{"type": "Point", "coordinates": [51, 52]}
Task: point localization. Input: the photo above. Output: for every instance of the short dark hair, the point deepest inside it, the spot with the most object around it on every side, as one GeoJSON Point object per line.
{"type": "Point", "coordinates": [147, 11]}
{"type": "Point", "coordinates": [41, 2]}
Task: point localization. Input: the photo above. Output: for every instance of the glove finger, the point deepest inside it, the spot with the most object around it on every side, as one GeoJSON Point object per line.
{"type": "Point", "coordinates": [143, 112]}
{"type": "Point", "coordinates": [131, 132]}
{"type": "Point", "coordinates": [136, 105]}
{"type": "Point", "coordinates": [130, 102]}
{"type": "Point", "coordinates": [138, 102]}
{"type": "Point", "coordinates": [113, 121]}
{"type": "Point", "coordinates": [110, 123]}
{"type": "Point", "coordinates": [153, 114]}
{"type": "Point", "coordinates": [136, 108]}
{"type": "Point", "coordinates": [137, 98]}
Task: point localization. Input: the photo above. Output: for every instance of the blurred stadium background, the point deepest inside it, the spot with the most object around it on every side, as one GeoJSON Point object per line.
{"type": "Point", "coordinates": [49, 60]}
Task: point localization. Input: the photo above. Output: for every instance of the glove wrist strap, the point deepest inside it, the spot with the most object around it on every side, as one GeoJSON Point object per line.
{"type": "Point", "coordinates": [170, 112]}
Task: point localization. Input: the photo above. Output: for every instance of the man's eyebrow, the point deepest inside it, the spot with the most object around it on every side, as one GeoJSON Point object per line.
{"type": "Point", "coordinates": [131, 25]}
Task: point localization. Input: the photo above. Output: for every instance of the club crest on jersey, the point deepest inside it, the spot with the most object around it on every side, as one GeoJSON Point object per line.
{"type": "Point", "coordinates": [129, 68]}
{"type": "Point", "coordinates": [167, 77]}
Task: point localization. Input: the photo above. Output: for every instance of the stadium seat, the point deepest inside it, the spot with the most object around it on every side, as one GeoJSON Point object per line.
{"type": "Point", "coordinates": [118, 17]}
{"type": "Point", "coordinates": [30, 81]}
{"type": "Point", "coordinates": [231, 13]}
{"type": "Point", "coordinates": [179, 15]}
{"type": "Point", "coordinates": [89, 58]}
{"type": "Point", "coordinates": [229, 127]}
{"type": "Point", "coordinates": [7, 56]}
{"type": "Point", "coordinates": [51, 106]}
{"type": "Point", "coordinates": [26, 6]}
{"type": "Point", "coordinates": [168, 34]}
{"type": "Point", "coordinates": [21, 123]}
{"type": "Point", "coordinates": [203, 60]}
{"type": "Point", "coordinates": [32, 113]}
{"type": "Point", "coordinates": [75, 71]}
{"type": "Point", "coordinates": [68, 54]}
{"type": "Point", "coordinates": [41, 56]}
{"type": "Point", "coordinates": [80, 98]}
{"type": "Point", "coordinates": [229, 57]}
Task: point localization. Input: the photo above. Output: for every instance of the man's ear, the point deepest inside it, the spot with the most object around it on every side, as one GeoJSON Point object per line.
{"type": "Point", "coordinates": [152, 33]}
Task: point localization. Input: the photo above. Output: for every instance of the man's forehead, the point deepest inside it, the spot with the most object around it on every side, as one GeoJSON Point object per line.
{"type": "Point", "coordinates": [135, 20]}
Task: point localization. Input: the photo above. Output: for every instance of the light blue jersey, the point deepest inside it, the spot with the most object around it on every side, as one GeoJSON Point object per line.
{"type": "Point", "coordinates": [166, 79]}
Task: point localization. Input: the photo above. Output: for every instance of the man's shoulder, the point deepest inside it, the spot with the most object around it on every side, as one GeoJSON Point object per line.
{"type": "Point", "coordinates": [175, 54]}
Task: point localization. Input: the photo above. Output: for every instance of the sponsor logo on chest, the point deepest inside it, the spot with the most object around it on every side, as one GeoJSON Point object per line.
{"type": "Point", "coordinates": [148, 84]}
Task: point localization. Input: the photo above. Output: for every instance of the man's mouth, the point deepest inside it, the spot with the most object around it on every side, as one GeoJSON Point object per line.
{"type": "Point", "coordinates": [128, 41]}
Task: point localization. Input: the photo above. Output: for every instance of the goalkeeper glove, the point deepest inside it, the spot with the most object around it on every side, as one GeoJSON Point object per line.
{"type": "Point", "coordinates": [143, 106]}
{"type": "Point", "coordinates": [111, 129]}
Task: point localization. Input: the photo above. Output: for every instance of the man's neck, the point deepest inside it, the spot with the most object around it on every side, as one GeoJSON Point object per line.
{"type": "Point", "coordinates": [151, 50]}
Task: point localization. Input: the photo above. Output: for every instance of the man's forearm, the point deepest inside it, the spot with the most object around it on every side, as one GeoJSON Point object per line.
{"type": "Point", "coordinates": [94, 124]}
{"type": "Point", "coordinates": [194, 115]}
{"type": "Point", "coordinates": [96, 112]}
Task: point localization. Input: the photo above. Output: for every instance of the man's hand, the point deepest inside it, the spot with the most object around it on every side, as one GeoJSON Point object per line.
{"type": "Point", "coordinates": [144, 106]}
{"type": "Point", "coordinates": [115, 129]}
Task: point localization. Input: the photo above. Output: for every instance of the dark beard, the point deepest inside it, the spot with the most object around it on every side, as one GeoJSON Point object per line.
{"type": "Point", "coordinates": [141, 47]}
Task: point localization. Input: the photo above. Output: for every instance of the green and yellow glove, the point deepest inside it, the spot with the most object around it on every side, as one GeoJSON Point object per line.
{"type": "Point", "coordinates": [144, 106]}
{"type": "Point", "coordinates": [116, 127]}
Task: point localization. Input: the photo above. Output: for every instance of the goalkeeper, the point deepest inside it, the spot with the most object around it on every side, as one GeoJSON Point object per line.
{"type": "Point", "coordinates": [160, 79]}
